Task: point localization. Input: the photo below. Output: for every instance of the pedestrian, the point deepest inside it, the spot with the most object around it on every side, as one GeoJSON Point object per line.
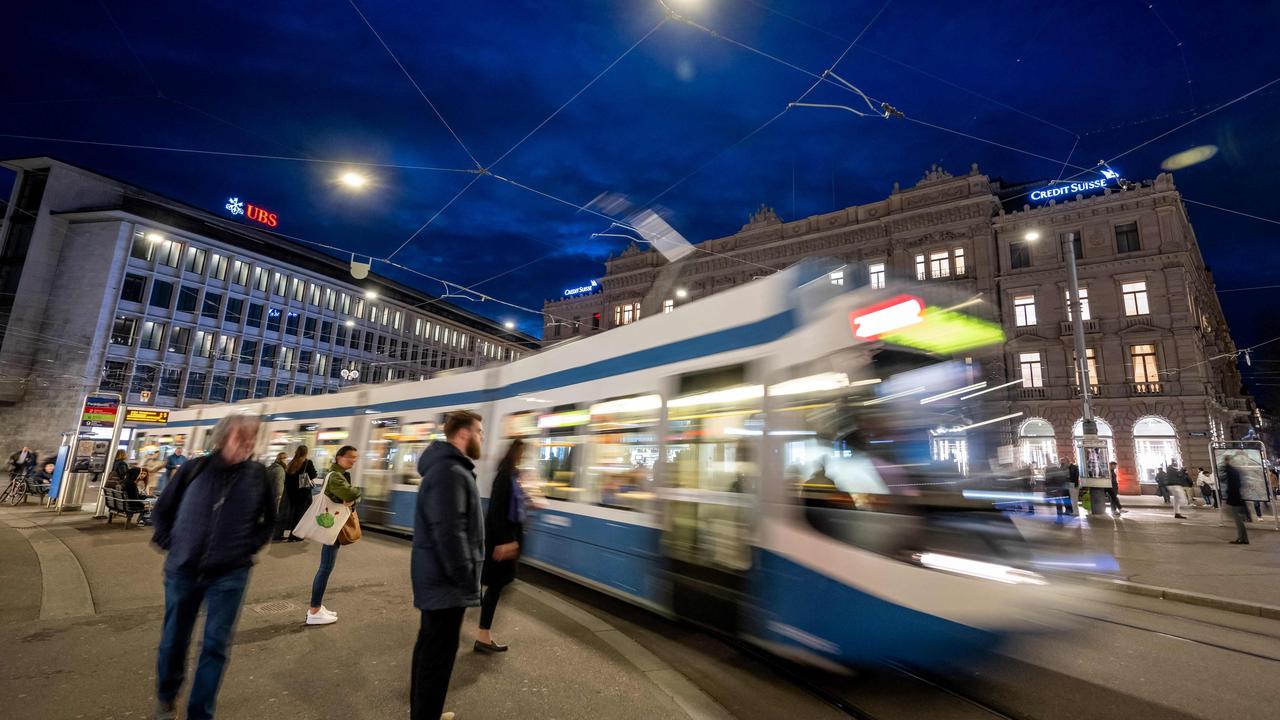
{"type": "Point", "coordinates": [1056, 480]}
{"type": "Point", "coordinates": [119, 470]}
{"type": "Point", "coordinates": [1162, 484]}
{"type": "Point", "coordinates": [1073, 487]}
{"type": "Point", "coordinates": [503, 535]}
{"type": "Point", "coordinates": [297, 494]}
{"type": "Point", "coordinates": [1177, 483]}
{"type": "Point", "coordinates": [1205, 481]}
{"type": "Point", "coordinates": [215, 516]}
{"type": "Point", "coordinates": [21, 462]}
{"type": "Point", "coordinates": [1234, 500]}
{"type": "Point", "coordinates": [448, 550]}
{"type": "Point", "coordinates": [1113, 492]}
{"type": "Point", "coordinates": [171, 466]}
{"type": "Point", "coordinates": [338, 488]}
{"type": "Point", "coordinates": [275, 473]}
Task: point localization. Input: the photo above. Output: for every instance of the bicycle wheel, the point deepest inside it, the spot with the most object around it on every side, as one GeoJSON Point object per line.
{"type": "Point", "coordinates": [17, 494]}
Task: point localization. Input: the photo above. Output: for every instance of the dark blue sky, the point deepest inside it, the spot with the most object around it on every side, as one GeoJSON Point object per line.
{"type": "Point", "coordinates": [310, 79]}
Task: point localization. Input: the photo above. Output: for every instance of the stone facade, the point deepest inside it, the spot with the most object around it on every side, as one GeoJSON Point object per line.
{"type": "Point", "coordinates": [78, 259]}
{"type": "Point", "coordinates": [921, 233]}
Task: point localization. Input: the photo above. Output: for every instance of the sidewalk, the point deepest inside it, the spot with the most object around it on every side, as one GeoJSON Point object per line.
{"type": "Point", "coordinates": [94, 657]}
{"type": "Point", "coordinates": [1155, 549]}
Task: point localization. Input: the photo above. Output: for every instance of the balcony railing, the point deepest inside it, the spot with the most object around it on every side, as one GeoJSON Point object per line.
{"type": "Point", "coordinates": [1240, 404]}
{"type": "Point", "coordinates": [1094, 390]}
{"type": "Point", "coordinates": [1031, 393]}
{"type": "Point", "coordinates": [1090, 326]}
{"type": "Point", "coordinates": [1146, 388]}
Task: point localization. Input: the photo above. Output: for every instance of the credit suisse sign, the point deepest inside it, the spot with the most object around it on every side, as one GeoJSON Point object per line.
{"type": "Point", "coordinates": [256, 213]}
{"type": "Point", "coordinates": [1074, 188]}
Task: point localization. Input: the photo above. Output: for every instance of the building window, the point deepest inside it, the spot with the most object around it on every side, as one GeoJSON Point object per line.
{"type": "Point", "coordinates": [595, 321]}
{"type": "Point", "coordinates": [161, 294]}
{"type": "Point", "coordinates": [282, 389]}
{"type": "Point", "coordinates": [268, 359]}
{"type": "Point", "coordinates": [304, 361]}
{"type": "Point", "coordinates": [1077, 245]}
{"type": "Point", "coordinates": [354, 342]}
{"type": "Point", "coordinates": [626, 314]}
{"type": "Point", "coordinates": [346, 304]}
{"type": "Point", "coordinates": [188, 298]}
{"type": "Point", "coordinates": [1019, 254]}
{"type": "Point", "coordinates": [123, 330]}
{"type": "Point", "coordinates": [1091, 359]}
{"type": "Point", "coordinates": [273, 320]}
{"type": "Point", "coordinates": [922, 272]}
{"type": "Point", "coordinates": [1084, 304]}
{"type": "Point", "coordinates": [296, 289]}
{"type": "Point", "coordinates": [1127, 238]}
{"type": "Point", "coordinates": [386, 314]}
{"type": "Point", "coordinates": [326, 331]}
{"type": "Point", "coordinates": [168, 253]}
{"type": "Point", "coordinates": [1146, 374]}
{"type": "Point", "coordinates": [261, 277]}
{"type": "Point", "coordinates": [321, 360]}
{"type": "Point", "coordinates": [218, 267]}
{"type": "Point", "coordinates": [1135, 298]}
{"type": "Point", "coordinates": [144, 379]}
{"type": "Point", "coordinates": [1032, 369]}
{"type": "Point", "coordinates": [399, 318]}
{"type": "Point", "coordinates": [240, 273]}
{"type": "Point", "coordinates": [226, 348]}
{"type": "Point", "coordinates": [212, 305]}
{"type": "Point", "coordinates": [235, 311]}
{"type": "Point", "coordinates": [142, 248]}
{"type": "Point", "coordinates": [195, 386]}
{"type": "Point", "coordinates": [368, 342]}
{"type": "Point", "coordinates": [286, 358]}
{"type": "Point", "coordinates": [194, 261]}
{"type": "Point", "coordinates": [958, 254]}
{"type": "Point", "coordinates": [133, 288]}
{"type": "Point", "coordinates": [340, 335]}
{"type": "Point", "coordinates": [204, 344]}
{"type": "Point", "coordinates": [314, 293]}
{"type": "Point", "coordinates": [114, 373]}
{"type": "Point", "coordinates": [939, 264]}
{"type": "Point", "coordinates": [309, 329]}
{"type": "Point", "coordinates": [668, 306]}
{"type": "Point", "coordinates": [254, 318]}
{"type": "Point", "coordinates": [240, 390]}
{"type": "Point", "coordinates": [152, 335]}
{"type": "Point", "coordinates": [277, 284]}
{"type": "Point", "coordinates": [557, 324]}
{"type": "Point", "coordinates": [381, 348]}
{"type": "Point", "coordinates": [248, 351]}
{"type": "Point", "coordinates": [1024, 310]}
{"type": "Point", "coordinates": [179, 340]}
{"type": "Point", "coordinates": [876, 273]}
{"type": "Point", "coordinates": [170, 382]}
{"type": "Point", "coordinates": [329, 296]}
{"type": "Point", "coordinates": [837, 277]}
{"type": "Point", "coordinates": [218, 389]}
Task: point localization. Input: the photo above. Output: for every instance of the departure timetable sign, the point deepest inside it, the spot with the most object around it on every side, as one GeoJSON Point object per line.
{"type": "Point", "coordinates": [146, 416]}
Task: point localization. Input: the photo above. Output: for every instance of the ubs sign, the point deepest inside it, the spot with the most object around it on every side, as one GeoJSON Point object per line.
{"type": "Point", "coordinates": [258, 214]}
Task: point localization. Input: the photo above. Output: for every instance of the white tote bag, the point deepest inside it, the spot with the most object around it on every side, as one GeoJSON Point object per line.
{"type": "Point", "coordinates": [324, 519]}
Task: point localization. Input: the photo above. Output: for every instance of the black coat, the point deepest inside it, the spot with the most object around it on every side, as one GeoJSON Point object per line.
{"type": "Point", "coordinates": [1233, 485]}
{"type": "Point", "coordinates": [448, 531]}
{"type": "Point", "coordinates": [500, 529]}
{"type": "Point", "coordinates": [213, 517]}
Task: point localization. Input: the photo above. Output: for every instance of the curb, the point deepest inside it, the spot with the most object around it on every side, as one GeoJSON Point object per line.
{"type": "Point", "coordinates": [1271, 612]}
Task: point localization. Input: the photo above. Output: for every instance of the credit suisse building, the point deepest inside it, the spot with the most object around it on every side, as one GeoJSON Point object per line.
{"type": "Point", "coordinates": [106, 286]}
{"type": "Point", "coordinates": [1156, 340]}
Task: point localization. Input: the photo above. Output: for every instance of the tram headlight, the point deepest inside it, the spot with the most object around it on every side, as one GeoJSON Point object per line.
{"type": "Point", "coordinates": [978, 568]}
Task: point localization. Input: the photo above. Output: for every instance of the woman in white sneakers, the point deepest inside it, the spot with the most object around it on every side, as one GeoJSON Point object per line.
{"type": "Point", "coordinates": [339, 489]}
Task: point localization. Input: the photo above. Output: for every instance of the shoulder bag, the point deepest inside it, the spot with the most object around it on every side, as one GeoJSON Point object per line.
{"type": "Point", "coordinates": [324, 519]}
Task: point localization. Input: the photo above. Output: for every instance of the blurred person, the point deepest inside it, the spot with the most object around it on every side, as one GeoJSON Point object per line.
{"type": "Point", "coordinates": [215, 516]}
{"type": "Point", "coordinates": [338, 488]}
{"type": "Point", "coordinates": [297, 494]}
{"type": "Point", "coordinates": [1178, 485]}
{"type": "Point", "coordinates": [171, 466]}
{"type": "Point", "coordinates": [1162, 484]}
{"type": "Point", "coordinates": [1073, 488]}
{"type": "Point", "coordinates": [448, 550]}
{"type": "Point", "coordinates": [1234, 500]}
{"type": "Point", "coordinates": [1205, 481]}
{"type": "Point", "coordinates": [23, 461]}
{"type": "Point", "coordinates": [503, 535]}
{"type": "Point", "coordinates": [119, 470]}
{"type": "Point", "coordinates": [1113, 492]}
{"type": "Point", "coordinates": [1056, 480]}
{"type": "Point", "coordinates": [275, 473]}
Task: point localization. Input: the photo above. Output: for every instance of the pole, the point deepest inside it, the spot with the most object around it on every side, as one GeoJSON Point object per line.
{"type": "Point", "coordinates": [1088, 428]}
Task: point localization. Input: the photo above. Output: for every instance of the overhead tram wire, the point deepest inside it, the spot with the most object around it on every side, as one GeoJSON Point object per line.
{"type": "Point", "coordinates": [437, 214]}
{"type": "Point", "coordinates": [417, 87]}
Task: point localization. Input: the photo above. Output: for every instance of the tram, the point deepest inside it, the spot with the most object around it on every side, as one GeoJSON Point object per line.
{"type": "Point", "coordinates": [758, 462]}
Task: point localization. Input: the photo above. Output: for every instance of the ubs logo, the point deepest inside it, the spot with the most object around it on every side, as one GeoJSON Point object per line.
{"type": "Point", "coordinates": [256, 213]}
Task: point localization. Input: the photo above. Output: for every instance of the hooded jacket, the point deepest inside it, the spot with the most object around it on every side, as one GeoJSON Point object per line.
{"type": "Point", "coordinates": [448, 531]}
{"type": "Point", "coordinates": [214, 517]}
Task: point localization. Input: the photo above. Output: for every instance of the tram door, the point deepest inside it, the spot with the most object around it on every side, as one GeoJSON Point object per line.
{"type": "Point", "coordinates": [713, 432]}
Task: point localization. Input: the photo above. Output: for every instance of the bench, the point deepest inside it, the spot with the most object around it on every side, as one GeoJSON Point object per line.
{"type": "Point", "coordinates": [36, 486]}
{"type": "Point", "coordinates": [118, 504]}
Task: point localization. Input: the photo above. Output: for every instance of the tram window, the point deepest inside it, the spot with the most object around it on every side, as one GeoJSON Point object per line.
{"type": "Point", "coordinates": [713, 436]}
{"type": "Point", "coordinates": [622, 454]}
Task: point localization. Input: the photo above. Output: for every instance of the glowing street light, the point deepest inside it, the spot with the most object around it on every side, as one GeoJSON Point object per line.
{"type": "Point", "coordinates": [155, 237]}
{"type": "Point", "coordinates": [682, 293]}
{"type": "Point", "coordinates": [1032, 236]}
{"type": "Point", "coordinates": [353, 180]}
{"type": "Point", "coordinates": [351, 323]}
{"type": "Point", "coordinates": [370, 294]}
{"type": "Point", "coordinates": [509, 325]}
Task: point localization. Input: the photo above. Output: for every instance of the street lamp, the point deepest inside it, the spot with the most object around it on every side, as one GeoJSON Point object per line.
{"type": "Point", "coordinates": [353, 180]}
{"type": "Point", "coordinates": [1089, 427]}
{"type": "Point", "coordinates": [509, 325]}
{"type": "Point", "coordinates": [370, 294]}
{"type": "Point", "coordinates": [682, 293]}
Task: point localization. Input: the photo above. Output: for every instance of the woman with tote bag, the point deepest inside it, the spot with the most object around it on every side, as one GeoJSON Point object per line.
{"type": "Point", "coordinates": [326, 521]}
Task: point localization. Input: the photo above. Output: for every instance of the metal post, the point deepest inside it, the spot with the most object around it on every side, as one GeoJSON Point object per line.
{"type": "Point", "coordinates": [1089, 428]}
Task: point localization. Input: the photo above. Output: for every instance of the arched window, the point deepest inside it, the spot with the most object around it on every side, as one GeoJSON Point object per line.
{"type": "Point", "coordinates": [1036, 445]}
{"type": "Point", "coordinates": [1155, 444]}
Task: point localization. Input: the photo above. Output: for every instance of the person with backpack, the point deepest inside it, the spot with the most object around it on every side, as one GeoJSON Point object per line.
{"type": "Point", "coordinates": [338, 488]}
{"type": "Point", "coordinates": [216, 514]}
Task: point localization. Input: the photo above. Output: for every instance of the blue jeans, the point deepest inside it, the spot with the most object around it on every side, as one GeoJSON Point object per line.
{"type": "Point", "coordinates": [183, 597]}
{"type": "Point", "coordinates": [328, 556]}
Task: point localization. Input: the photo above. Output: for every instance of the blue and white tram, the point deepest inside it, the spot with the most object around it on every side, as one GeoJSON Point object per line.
{"type": "Point", "coordinates": [757, 461]}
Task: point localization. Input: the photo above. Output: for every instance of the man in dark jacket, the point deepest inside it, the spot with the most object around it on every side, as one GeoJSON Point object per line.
{"type": "Point", "coordinates": [448, 551]}
{"type": "Point", "coordinates": [215, 515]}
{"type": "Point", "coordinates": [1235, 500]}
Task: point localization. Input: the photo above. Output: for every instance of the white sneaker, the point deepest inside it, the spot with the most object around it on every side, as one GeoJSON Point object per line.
{"type": "Point", "coordinates": [319, 618]}
{"type": "Point", "coordinates": [326, 611]}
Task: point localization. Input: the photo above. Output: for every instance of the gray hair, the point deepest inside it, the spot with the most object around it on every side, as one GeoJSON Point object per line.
{"type": "Point", "coordinates": [230, 424]}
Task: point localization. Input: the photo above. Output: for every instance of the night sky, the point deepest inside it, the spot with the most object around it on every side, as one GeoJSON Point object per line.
{"type": "Point", "coordinates": [309, 79]}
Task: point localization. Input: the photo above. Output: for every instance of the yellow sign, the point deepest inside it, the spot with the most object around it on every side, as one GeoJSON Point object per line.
{"type": "Point", "coordinates": [146, 416]}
